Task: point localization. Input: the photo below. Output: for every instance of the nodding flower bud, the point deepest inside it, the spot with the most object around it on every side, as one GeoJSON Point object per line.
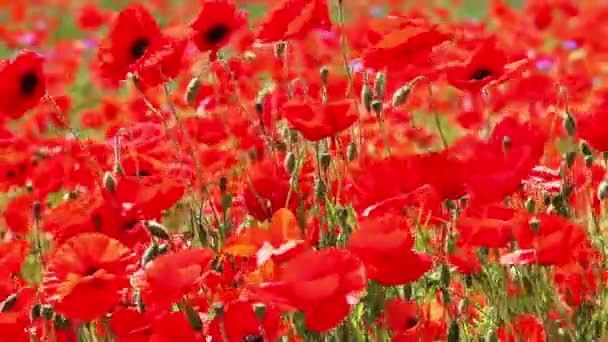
{"type": "Point", "coordinates": [194, 86]}
{"type": "Point", "coordinates": [602, 190]}
{"type": "Point", "coordinates": [150, 253]}
{"type": "Point", "coordinates": [351, 153]}
{"type": "Point", "coordinates": [401, 95]}
{"type": "Point", "coordinates": [109, 182]}
{"type": "Point", "coordinates": [324, 72]}
{"type": "Point", "coordinates": [586, 149]}
{"type": "Point", "coordinates": [157, 230]}
{"type": "Point", "coordinates": [366, 97]}
{"type": "Point", "coordinates": [377, 107]}
{"type": "Point", "coordinates": [289, 163]}
{"type": "Point", "coordinates": [279, 50]}
{"type": "Point", "coordinates": [380, 84]}
{"type": "Point", "coordinates": [569, 124]}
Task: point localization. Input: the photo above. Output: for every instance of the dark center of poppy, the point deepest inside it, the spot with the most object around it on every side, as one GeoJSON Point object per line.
{"type": "Point", "coordinates": [139, 46]}
{"type": "Point", "coordinates": [90, 271]}
{"type": "Point", "coordinates": [480, 74]}
{"type": "Point", "coordinates": [129, 224]}
{"type": "Point", "coordinates": [253, 338]}
{"type": "Point", "coordinates": [143, 173]}
{"type": "Point", "coordinates": [411, 322]}
{"type": "Point", "coordinates": [216, 33]}
{"type": "Point", "coordinates": [11, 174]}
{"type": "Point", "coordinates": [28, 82]}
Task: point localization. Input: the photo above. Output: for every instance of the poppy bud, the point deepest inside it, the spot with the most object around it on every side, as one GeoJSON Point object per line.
{"type": "Point", "coordinates": [351, 152]}
{"type": "Point", "coordinates": [570, 157]}
{"type": "Point", "coordinates": [454, 332]}
{"type": "Point", "coordinates": [377, 107]}
{"type": "Point", "coordinates": [8, 303]}
{"type": "Point", "coordinates": [401, 95]}
{"type": "Point", "coordinates": [163, 249]}
{"type": "Point", "coordinates": [589, 160]}
{"type": "Point", "coordinates": [61, 323]}
{"type": "Point", "coordinates": [380, 84]}
{"type": "Point", "coordinates": [109, 182]}
{"type": "Point", "coordinates": [194, 86]}
{"type": "Point", "coordinates": [602, 190]}
{"type": "Point", "coordinates": [157, 230]}
{"type": "Point", "coordinates": [534, 224]}
{"type": "Point", "coordinates": [260, 311]}
{"type": "Point", "coordinates": [366, 97]}
{"type": "Point", "coordinates": [289, 163]}
{"type": "Point", "coordinates": [586, 149]}
{"type": "Point", "coordinates": [279, 50]}
{"type": "Point", "coordinates": [530, 205]}
{"type": "Point", "coordinates": [325, 160]}
{"type": "Point", "coordinates": [320, 188]}
{"type": "Point", "coordinates": [35, 312]}
{"type": "Point", "coordinates": [569, 124]}
{"type": "Point", "coordinates": [150, 253]}
{"type": "Point", "coordinates": [324, 74]}
{"type": "Point", "coordinates": [46, 311]}
{"type": "Point", "coordinates": [219, 310]}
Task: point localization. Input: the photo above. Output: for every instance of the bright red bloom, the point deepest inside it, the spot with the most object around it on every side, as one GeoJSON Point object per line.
{"type": "Point", "coordinates": [319, 121]}
{"type": "Point", "coordinates": [294, 19]}
{"type": "Point", "coordinates": [22, 84]}
{"type": "Point", "coordinates": [488, 226]}
{"type": "Point", "coordinates": [91, 17]}
{"type": "Point", "coordinates": [171, 276]}
{"type": "Point", "coordinates": [216, 23]}
{"type": "Point", "coordinates": [385, 244]}
{"type": "Point", "coordinates": [593, 128]}
{"type": "Point", "coordinates": [85, 276]}
{"type": "Point", "coordinates": [242, 324]}
{"type": "Point", "coordinates": [526, 327]}
{"type": "Point", "coordinates": [161, 64]}
{"type": "Point", "coordinates": [131, 35]}
{"type": "Point", "coordinates": [324, 284]}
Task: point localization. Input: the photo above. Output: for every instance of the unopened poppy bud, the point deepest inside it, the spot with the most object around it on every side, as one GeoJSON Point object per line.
{"type": "Point", "coordinates": [586, 149]}
{"type": "Point", "coordinates": [534, 224]}
{"type": "Point", "coordinates": [366, 97]}
{"type": "Point", "coordinates": [193, 317]}
{"type": "Point", "coordinates": [454, 332]}
{"type": "Point", "coordinates": [602, 190]}
{"type": "Point", "coordinates": [46, 311]}
{"type": "Point", "coordinates": [325, 160]}
{"type": "Point", "coordinates": [324, 72]}
{"type": "Point", "coordinates": [157, 230]}
{"type": "Point", "coordinates": [109, 182]}
{"type": "Point", "coordinates": [569, 124]}
{"type": "Point", "coordinates": [570, 157]}
{"type": "Point", "coordinates": [351, 152]}
{"type": "Point", "coordinates": [194, 86]}
{"type": "Point", "coordinates": [589, 160]}
{"type": "Point", "coordinates": [401, 95]}
{"type": "Point", "coordinates": [530, 205]}
{"type": "Point", "coordinates": [380, 84]}
{"type": "Point", "coordinates": [289, 163]}
{"type": "Point", "coordinates": [8, 303]}
{"type": "Point", "coordinates": [61, 323]}
{"type": "Point", "coordinates": [279, 50]}
{"type": "Point", "coordinates": [377, 107]}
{"type": "Point", "coordinates": [260, 311]}
{"type": "Point", "coordinates": [320, 188]}
{"type": "Point", "coordinates": [150, 253]}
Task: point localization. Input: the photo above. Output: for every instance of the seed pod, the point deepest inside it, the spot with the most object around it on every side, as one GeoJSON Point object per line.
{"type": "Point", "coordinates": [259, 101]}
{"type": "Point", "coordinates": [194, 86]}
{"type": "Point", "coordinates": [589, 160]}
{"type": "Point", "coordinates": [193, 317]}
{"type": "Point", "coordinates": [289, 163]}
{"type": "Point", "coordinates": [366, 97]}
{"type": "Point", "coordinates": [157, 230]}
{"type": "Point", "coordinates": [260, 311]}
{"type": "Point", "coordinates": [530, 205]}
{"type": "Point", "coordinates": [534, 224]}
{"type": "Point", "coordinates": [380, 84]}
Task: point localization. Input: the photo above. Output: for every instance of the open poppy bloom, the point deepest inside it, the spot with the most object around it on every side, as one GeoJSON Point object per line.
{"type": "Point", "coordinates": [593, 128]}
{"type": "Point", "coordinates": [385, 244]}
{"type": "Point", "coordinates": [319, 121]}
{"type": "Point", "coordinates": [131, 35]}
{"type": "Point", "coordinates": [22, 84]}
{"type": "Point", "coordinates": [488, 64]}
{"type": "Point", "coordinates": [294, 19]}
{"type": "Point", "coordinates": [241, 323]}
{"type": "Point", "coordinates": [215, 24]}
{"type": "Point", "coordinates": [88, 268]}
{"type": "Point", "coordinates": [324, 284]}
{"type": "Point", "coordinates": [161, 64]}
{"type": "Point", "coordinates": [525, 327]}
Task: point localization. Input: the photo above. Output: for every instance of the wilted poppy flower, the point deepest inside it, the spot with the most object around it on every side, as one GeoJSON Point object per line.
{"type": "Point", "coordinates": [488, 64]}
{"type": "Point", "coordinates": [324, 284]}
{"type": "Point", "coordinates": [294, 19]}
{"type": "Point", "coordinates": [242, 324]}
{"type": "Point", "coordinates": [22, 84]}
{"type": "Point", "coordinates": [385, 244]}
{"type": "Point", "coordinates": [171, 276]}
{"type": "Point", "coordinates": [85, 275]}
{"type": "Point", "coordinates": [215, 24]}
{"type": "Point", "coordinates": [525, 327]}
{"type": "Point", "coordinates": [131, 35]}
{"type": "Point", "coordinates": [319, 121]}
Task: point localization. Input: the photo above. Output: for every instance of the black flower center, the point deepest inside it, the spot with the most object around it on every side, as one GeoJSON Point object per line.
{"type": "Point", "coordinates": [90, 271]}
{"type": "Point", "coordinates": [28, 82]}
{"type": "Point", "coordinates": [139, 46]}
{"type": "Point", "coordinates": [216, 33]}
{"type": "Point", "coordinates": [143, 173]}
{"type": "Point", "coordinates": [411, 322]}
{"type": "Point", "coordinates": [480, 74]}
{"type": "Point", "coordinates": [253, 338]}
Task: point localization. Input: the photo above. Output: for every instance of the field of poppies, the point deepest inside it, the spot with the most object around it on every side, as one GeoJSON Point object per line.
{"type": "Point", "coordinates": [303, 170]}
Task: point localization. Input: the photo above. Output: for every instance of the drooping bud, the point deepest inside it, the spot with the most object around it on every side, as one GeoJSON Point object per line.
{"type": "Point", "coordinates": [109, 182]}
{"type": "Point", "coordinates": [194, 86]}
{"type": "Point", "coordinates": [157, 230]}
{"type": "Point", "coordinates": [400, 96]}
{"type": "Point", "coordinates": [289, 163]}
{"type": "Point", "coordinates": [324, 73]}
{"type": "Point", "coordinates": [150, 253]}
{"type": "Point", "coordinates": [366, 97]}
{"type": "Point", "coordinates": [569, 124]}
{"type": "Point", "coordinates": [380, 84]}
{"type": "Point", "coordinates": [37, 209]}
{"type": "Point", "coordinates": [259, 101]}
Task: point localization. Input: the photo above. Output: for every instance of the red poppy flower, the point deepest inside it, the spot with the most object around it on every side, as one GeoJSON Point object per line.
{"type": "Point", "coordinates": [242, 324]}
{"type": "Point", "coordinates": [402, 317]}
{"type": "Point", "coordinates": [488, 226]}
{"type": "Point", "coordinates": [133, 32]}
{"type": "Point", "coordinates": [22, 84]}
{"type": "Point", "coordinates": [324, 284]}
{"type": "Point", "coordinates": [159, 65]}
{"type": "Point", "coordinates": [488, 64]}
{"type": "Point", "coordinates": [385, 244]}
{"type": "Point", "coordinates": [12, 256]}
{"type": "Point", "coordinates": [319, 121]}
{"type": "Point", "coordinates": [171, 276]}
{"type": "Point", "coordinates": [294, 19]}
{"type": "Point", "coordinates": [215, 24]}
{"type": "Point", "coordinates": [593, 128]}
{"type": "Point", "coordinates": [85, 275]}
{"type": "Point", "coordinates": [525, 327]}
